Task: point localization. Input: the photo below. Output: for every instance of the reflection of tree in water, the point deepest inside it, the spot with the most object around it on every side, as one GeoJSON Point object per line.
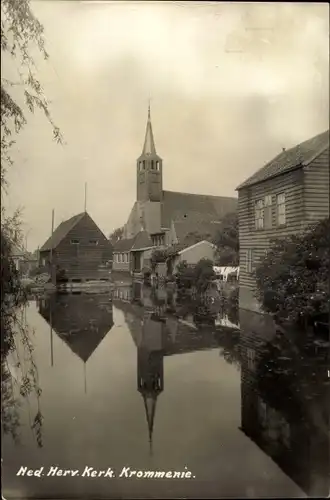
{"type": "Point", "coordinates": [19, 377]}
{"type": "Point", "coordinates": [229, 347]}
{"type": "Point", "coordinates": [233, 314]}
{"type": "Point", "coordinates": [290, 379]}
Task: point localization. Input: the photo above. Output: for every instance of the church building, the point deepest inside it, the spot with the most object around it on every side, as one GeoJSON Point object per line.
{"type": "Point", "coordinates": [157, 213]}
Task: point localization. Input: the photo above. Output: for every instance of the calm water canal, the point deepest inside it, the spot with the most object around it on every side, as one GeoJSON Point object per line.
{"type": "Point", "coordinates": [150, 382]}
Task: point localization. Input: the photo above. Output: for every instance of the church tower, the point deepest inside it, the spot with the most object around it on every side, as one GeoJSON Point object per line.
{"type": "Point", "coordinates": [149, 170]}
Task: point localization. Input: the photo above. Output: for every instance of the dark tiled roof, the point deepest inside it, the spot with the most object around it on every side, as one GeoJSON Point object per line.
{"type": "Point", "coordinates": [190, 228]}
{"type": "Point", "coordinates": [204, 207]}
{"type": "Point", "coordinates": [123, 245]}
{"type": "Point", "coordinates": [61, 231]}
{"type": "Point", "coordinates": [298, 156]}
{"type": "Point", "coordinates": [142, 240]}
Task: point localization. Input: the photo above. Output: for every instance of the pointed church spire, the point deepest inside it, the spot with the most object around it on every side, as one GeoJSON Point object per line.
{"type": "Point", "coordinates": [85, 379]}
{"type": "Point", "coordinates": [149, 147]}
{"type": "Point", "coordinates": [150, 402]}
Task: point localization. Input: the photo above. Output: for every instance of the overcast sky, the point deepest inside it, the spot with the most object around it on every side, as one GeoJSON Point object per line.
{"type": "Point", "coordinates": [230, 85]}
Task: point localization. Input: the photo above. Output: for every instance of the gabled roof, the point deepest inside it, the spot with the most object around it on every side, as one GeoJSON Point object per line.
{"type": "Point", "coordinates": [142, 240]}
{"type": "Point", "coordinates": [205, 208]}
{"type": "Point", "coordinates": [61, 231]}
{"type": "Point", "coordinates": [298, 156]}
{"type": "Point", "coordinates": [188, 246]}
{"type": "Point", "coordinates": [123, 245]}
{"type": "Point", "coordinates": [139, 241]}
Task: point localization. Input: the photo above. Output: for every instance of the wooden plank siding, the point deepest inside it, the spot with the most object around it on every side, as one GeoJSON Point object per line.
{"type": "Point", "coordinates": [254, 242]}
{"type": "Point", "coordinates": [316, 189]}
{"type": "Point", "coordinates": [306, 193]}
{"type": "Point", "coordinates": [81, 261]}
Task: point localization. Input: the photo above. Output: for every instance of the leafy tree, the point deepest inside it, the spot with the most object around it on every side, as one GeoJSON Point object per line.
{"type": "Point", "coordinates": [20, 31]}
{"type": "Point", "coordinates": [116, 235]}
{"type": "Point", "coordinates": [227, 240]}
{"type": "Point", "coordinates": [203, 274]}
{"type": "Point", "coordinates": [198, 276]}
{"type": "Point", "coordinates": [161, 255]}
{"type": "Point", "coordinates": [293, 278]}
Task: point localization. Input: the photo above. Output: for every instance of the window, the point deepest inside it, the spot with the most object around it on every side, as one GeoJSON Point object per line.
{"type": "Point", "coordinates": [94, 242]}
{"type": "Point", "coordinates": [74, 242]}
{"type": "Point", "coordinates": [157, 165]}
{"type": "Point", "coordinates": [280, 212]}
{"type": "Point", "coordinates": [251, 359]}
{"type": "Point", "coordinates": [119, 257]}
{"type": "Point", "coordinates": [152, 164]}
{"type": "Point", "coordinates": [268, 211]}
{"type": "Point", "coordinates": [259, 214]}
{"type": "Point", "coordinates": [250, 261]}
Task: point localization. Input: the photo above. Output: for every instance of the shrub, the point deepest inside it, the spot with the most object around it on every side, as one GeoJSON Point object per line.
{"type": "Point", "coordinates": [293, 278]}
{"type": "Point", "coordinates": [198, 276]}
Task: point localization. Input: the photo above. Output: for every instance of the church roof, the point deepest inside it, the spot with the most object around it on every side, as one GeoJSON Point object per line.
{"type": "Point", "coordinates": [295, 157]}
{"type": "Point", "coordinates": [187, 230]}
{"type": "Point", "coordinates": [203, 208]}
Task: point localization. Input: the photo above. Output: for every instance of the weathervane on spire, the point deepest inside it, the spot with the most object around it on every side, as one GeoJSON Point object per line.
{"type": "Point", "coordinates": [149, 108]}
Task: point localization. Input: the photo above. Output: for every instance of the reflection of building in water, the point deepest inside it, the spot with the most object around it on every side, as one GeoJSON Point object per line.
{"type": "Point", "coordinates": [150, 369]}
{"type": "Point", "coordinates": [123, 293]}
{"type": "Point", "coordinates": [157, 335]}
{"type": "Point", "coordinates": [81, 321]}
{"type": "Point", "coordinates": [283, 411]}
{"type": "Point", "coordinates": [223, 320]}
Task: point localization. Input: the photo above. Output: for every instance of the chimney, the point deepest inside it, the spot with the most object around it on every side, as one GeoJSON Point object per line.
{"type": "Point", "coordinates": [283, 150]}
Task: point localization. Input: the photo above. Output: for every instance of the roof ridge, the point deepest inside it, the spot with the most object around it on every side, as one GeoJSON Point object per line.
{"type": "Point", "coordinates": [297, 156]}
{"type": "Point", "coordinates": [67, 224]}
{"type": "Point", "coordinates": [198, 194]}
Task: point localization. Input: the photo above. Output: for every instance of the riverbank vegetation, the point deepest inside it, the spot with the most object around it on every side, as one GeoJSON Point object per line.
{"type": "Point", "coordinates": [20, 30]}
{"type": "Point", "coordinates": [293, 278]}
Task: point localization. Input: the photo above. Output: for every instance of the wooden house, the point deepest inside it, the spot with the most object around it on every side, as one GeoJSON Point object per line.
{"type": "Point", "coordinates": [282, 198]}
{"type": "Point", "coordinates": [77, 251]}
{"type": "Point", "coordinates": [133, 254]}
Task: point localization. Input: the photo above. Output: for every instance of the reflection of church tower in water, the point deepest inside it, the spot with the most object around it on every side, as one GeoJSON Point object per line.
{"type": "Point", "coordinates": [150, 370]}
